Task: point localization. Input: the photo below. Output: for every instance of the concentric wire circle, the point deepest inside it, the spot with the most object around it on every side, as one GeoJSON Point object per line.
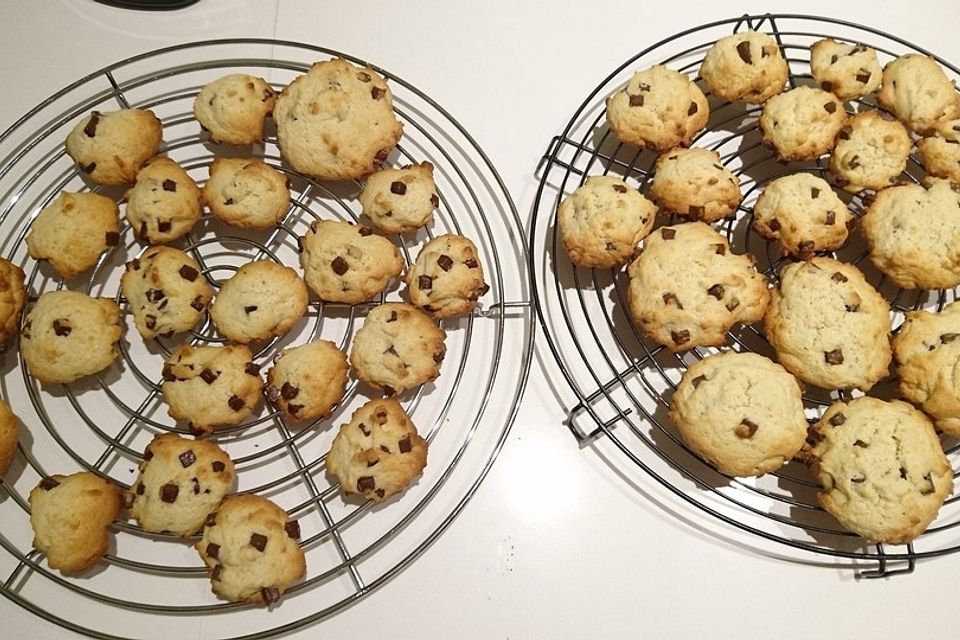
{"type": "Point", "coordinates": [623, 383]}
{"type": "Point", "coordinates": [155, 583]}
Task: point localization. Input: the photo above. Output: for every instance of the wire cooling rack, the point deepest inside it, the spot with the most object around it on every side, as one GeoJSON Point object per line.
{"type": "Point", "coordinates": [622, 384]}
{"type": "Point", "coordinates": [151, 585]}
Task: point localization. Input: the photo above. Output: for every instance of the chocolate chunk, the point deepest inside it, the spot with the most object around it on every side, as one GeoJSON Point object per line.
{"type": "Point", "coordinates": [293, 529]}
{"type": "Point", "coordinates": [288, 391]}
{"type": "Point", "coordinates": [380, 493]}
{"type": "Point", "coordinates": [393, 317]}
{"type": "Point", "coordinates": [668, 234]}
{"type": "Point", "coordinates": [696, 381]}
{"type": "Point", "coordinates": [863, 77]}
{"type": "Point", "coordinates": [774, 224]}
{"type": "Point", "coordinates": [155, 295]}
{"type": "Point", "coordinates": [141, 489]}
{"type": "Point", "coordinates": [845, 133]}
{"type": "Point", "coordinates": [163, 226]}
{"type": "Point", "coordinates": [438, 356]}
{"type": "Point", "coordinates": [838, 277]}
{"type": "Point", "coordinates": [213, 550]}
{"type": "Point", "coordinates": [619, 188]}
{"type": "Point", "coordinates": [366, 483]}
{"type": "Point", "coordinates": [745, 429]}
{"type": "Point", "coordinates": [209, 376]}
{"type": "Point", "coordinates": [483, 290]}
{"type": "Point", "coordinates": [435, 200]}
{"type": "Point", "coordinates": [404, 445]}
{"type": "Point", "coordinates": [249, 309]}
{"type": "Point", "coordinates": [389, 391]}
{"type": "Point", "coordinates": [90, 168]}
{"type": "Point", "coordinates": [806, 246]}
{"type": "Point", "coordinates": [826, 85]}
{"type": "Point", "coordinates": [670, 298]}
{"type": "Point", "coordinates": [398, 187]}
{"type": "Point", "coordinates": [854, 162]}
{"type": "Point", "coordinates": [49, 483]}
{"type": "Point", "coordinates": [946, 338]}
{"type": "Point", "coordinates": [830, 218]}
{"type": "Point", "coordinates": [381, 417]}
{"type": "Point", "coordinates": [830, 107]}
{"type": "Point", "coordinates": [376, 93]}
{"type": "Point", "coordinates": [744, 50]}
{"type": "Point", "coordinates": [217, 572]}
{"type": "Point", "coordinates": [62, 328]}
{"type": "Point", "coordinates": [364, 429]}
{"type": "Point", "coordinates": [339, 266]}
{"type": "Point", "coordinates": [169, 185]}
{"type": "Point", "coordinates": [384, 448]}
{"type": "Point", "coordinates": [169, 492]}
{"type": "Point", "coordinates": [693, 109]}
{"type": "Point", "coordinates": [852, 308]}
{"type": "Point", "coordinates": [187, 458]}
{"type": "Point", "coordinates": [188, 273]}
{"type": "Point", "coordinates": [364, 231]}
{"type": "Point", "coordinates": [381, 156]}
{"type": "Point", "coordinates": [363, 76]}
{"type": "Point", "coordinates": [858, 480]}
{"type": "Point", "coordinates": [833, 357]}
{"type": "Point", "coordinates": [814, 193]}
{"type": "Point", "coordinates": [197, 303]}
{"type": "Point", "coordinates": [721, 249]}
{"type": "Point", "coordinates": [134, 265]}
{"type": "Point", "coordinates": [258, 541]}
{"type": "Point", "coordinates": [218, 466]}
{"type": "Point", "coordinates": [112, 238]}
{"type": "Point", "coordinates": [169, 377]}
{"type": "Point", "coordinates": [236, 403]}
{"type": "Point", "coordinates": [680, 337]}
{"type": "Point", "coordinates": [392, 351]}
{"type": "Point", "coordinates": [733, 304]}
{"type": "Point", "coordinates": [373, 463]}
{"type": "Point", "coordinates": [860, 443]}
{"type": "Point", "coordinates": [636, 100]}
{"type": "Point", "coordinates": [294, 409]}
{"type": "Point", "coordinates": [148, 455]}
{"type": "Point", "coordinates": [445, 262]}
{"type": "Point", "coordinates": [252, 369]}
{"type": "Point", "coordinates": [695, 210]}
{"type": "Point", "coordinates": [142, 231]}
{"type": "Point", "coordinates": [425, 282]}
{"type": "Point", "coordinates": [270, 595]}
{"type": "Point", "coordinates": [91, 129]}
{"type": "Point", "coordinates": [716, 291]}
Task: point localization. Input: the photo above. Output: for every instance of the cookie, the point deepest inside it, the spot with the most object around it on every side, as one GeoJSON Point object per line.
{"type": "Point", "coordinates": [741, 412]}
{"type": "Point", "coordinates": [914, 235]}
{"type": "Point", "coordinates": [847, 71]}
{"type": "Point", "coordinates": [692, 183]}
{"type": "Point", "coordinates": [802, 123]}
{"type": "Point", "coordinates": [112, 146]}
{"type": "Point", "coordinates": [447, 278]}
{"type": "Point", "coordinates": [166, 292]}
{"type": "Point", "coordinates": [803, 214]}
{"type": "Point", "coordinates": [940, 157]}
{"type": "Point", "coordinates": [13, 297]}
{"type": "Point", "coordinates": [659, 108]}
{"type": "Point", "coordinates": [347, 263]}
{"type": "Point", "coordinates": [246, 193]}
{"type": "Point", "coordinates": [397, 348]}
{"type": "Point", "coordinates": [745, 66]}
{"type": "Point", "coordinates": [306, 382]}
{"type": "Point", "coordinates": [870, 152]}
{"type": "Point", "coordinates": [180, 483]}
{"type": "Point", "coordinates": [927, 351]}
{"type": "Point", "coordinates": [400, 200]}
{"type": "Point", "coordinates": [164, 203]}
{"type": "Point", "coordinates": [262, 299]}
{"type": "Point", "coordinates": [232, 108]}
{"type": "Point", "coordinates": [603, 221]}
{"type": "Point", "coordinates": [918, 92]}
{"type": "Point", "coordinates": [336, 122]}
{"type": "Point", "coordinates": [68, 335]}
{"type": "Point", "coordinates": [9, 430]}
{"type": "Point", "coordinates": [378, 453]}
{"type": "Point", "coordinates": [829, 326]}
{"type": "Point", "coordinates": [687, 289]}
{"type": "Point", "coordinates": [882, 471]}
{"type": "Point", "coordinates": [252, 548]}
{"type": "Point", "coordinates": [211, 387]}
{"type": "Point", "coordinates": [73, 231]}
{"type": "Point", "coordinates": [71, 517]}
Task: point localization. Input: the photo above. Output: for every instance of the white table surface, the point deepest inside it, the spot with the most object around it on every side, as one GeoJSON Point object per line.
{"type": "Point", "coordinates": [555, 543]}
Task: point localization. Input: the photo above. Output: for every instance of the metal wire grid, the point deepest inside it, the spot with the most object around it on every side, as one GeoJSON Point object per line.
{"type": "Point", "coordinates": [152, 582]}
{"type": "Point", "coordinates": [623, 384]}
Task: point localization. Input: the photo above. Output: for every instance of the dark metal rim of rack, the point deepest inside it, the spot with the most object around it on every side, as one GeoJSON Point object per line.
{"type": "Point", "coordinates": [599, 385]}
{"type": "Point", "coordinates": [499, 312]}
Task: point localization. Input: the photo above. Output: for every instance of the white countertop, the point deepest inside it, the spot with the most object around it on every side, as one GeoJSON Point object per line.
{"type": "Point", "coordinates": [555, 543]}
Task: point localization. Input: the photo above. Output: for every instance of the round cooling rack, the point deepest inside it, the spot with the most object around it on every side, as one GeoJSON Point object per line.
{"type": "Point", "coordinates": [622, 384]}
{"type": "Point", "coordinates": [151, 584]}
